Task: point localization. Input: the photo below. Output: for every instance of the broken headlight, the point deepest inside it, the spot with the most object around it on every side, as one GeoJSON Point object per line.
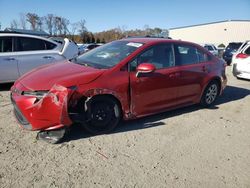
{"type": "Point", "coordinates": [37, 94]}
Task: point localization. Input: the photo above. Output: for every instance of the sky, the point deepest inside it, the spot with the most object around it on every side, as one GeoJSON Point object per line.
{"type": "Point", "coordinates": [103, 15]}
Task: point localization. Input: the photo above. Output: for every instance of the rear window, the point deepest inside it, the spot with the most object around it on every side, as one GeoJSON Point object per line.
{"type": "Point", "coordinates": [187, 54]}
{"type": "Point", "coordinates": [234, 46]}
{"type": "Point", "coordinates": [49, 45]}
{"type": "Point", "coordinates": [30, 44]}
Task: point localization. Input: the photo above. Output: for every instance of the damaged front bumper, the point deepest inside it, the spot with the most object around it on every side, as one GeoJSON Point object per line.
{"type": "Point", "coordinates": [48, 112]}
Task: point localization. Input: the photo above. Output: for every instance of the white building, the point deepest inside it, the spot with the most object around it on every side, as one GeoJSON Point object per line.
{"type": "Point", "coordinates": [216, 33]}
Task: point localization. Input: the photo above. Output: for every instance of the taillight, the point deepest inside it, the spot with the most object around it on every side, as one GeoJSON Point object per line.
{"type": "Point", "coordinates": [242, 56]}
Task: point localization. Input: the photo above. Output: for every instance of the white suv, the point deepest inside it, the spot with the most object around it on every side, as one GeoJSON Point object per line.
{"type": "Point", "coordinates": [20, 53]}
{"type": "Point", "coordinates": [241, 61]}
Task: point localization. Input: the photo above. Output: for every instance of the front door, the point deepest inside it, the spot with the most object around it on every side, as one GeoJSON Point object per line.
{"type": "Point", "coordinates": [154, 92]}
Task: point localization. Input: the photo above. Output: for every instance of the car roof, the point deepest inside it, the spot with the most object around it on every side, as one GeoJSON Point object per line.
{"type": "Point", "coordinates": [26, 35]}
{"type": "Point", "coordinates": [149, 40]}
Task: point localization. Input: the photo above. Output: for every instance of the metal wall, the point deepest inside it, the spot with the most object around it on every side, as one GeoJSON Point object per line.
{"type": "Point", "coordinates": [216, 33]}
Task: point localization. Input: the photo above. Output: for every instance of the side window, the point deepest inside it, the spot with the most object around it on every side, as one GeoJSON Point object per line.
{"type": "Point", "coordinates": [202, 57]}
{"type": "Point", "coordinates": [30, 44]}
{"type": "Point", "coordinates": [5, 44]}
{"type": "Point", "coordinates": [162, 56]}
{"type": "Point", "coordinates": [49, 45]}
{"type": "Point", "coordinates": [185, 55]}
{"type": "Point", "coordinates": [247, 51]}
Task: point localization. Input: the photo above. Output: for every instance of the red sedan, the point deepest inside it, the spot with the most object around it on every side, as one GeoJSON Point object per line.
{"type": "Point", "coordinates": [124, 79]}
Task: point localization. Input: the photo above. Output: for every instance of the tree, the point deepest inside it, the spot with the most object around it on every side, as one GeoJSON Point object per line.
{"type": "Point", "coordinates": [82, 30]}
{"type": "Point", "coordinates": [65, 23]}
{"type": "Point", "coordinates": [49, 20]}
{"type": "Point", "coordinates": [92, 38]}
{"type": "Point", "coordinates": [22, 21]}
{"type": "Point", "coordinates": [98, 40]}
{"type": "Point", "coordinates": [14, 24]}
{"type": "Point", "coordinates": [58, 25]}
{"type": "Point", "coordinates": [103, 41]}
{"type": "Point", "coordinates": [33, 19]}
{"type": "Point", "coordinates": [40, 24]}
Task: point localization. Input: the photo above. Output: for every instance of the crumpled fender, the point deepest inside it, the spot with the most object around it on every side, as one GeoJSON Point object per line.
{"type": "Point", "coordinates": [122, 98]}
{"type": "Point", "coordinates": [54, 103]}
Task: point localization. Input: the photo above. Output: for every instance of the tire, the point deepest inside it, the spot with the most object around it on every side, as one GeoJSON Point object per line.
{"type": "Point", "coordinates": [210, 94]}
{"type": "Point", "coordinates": [103, 115]}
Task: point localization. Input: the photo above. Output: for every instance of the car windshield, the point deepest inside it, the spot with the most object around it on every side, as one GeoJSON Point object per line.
{"type": "Point", "coordinates": [108, 55]}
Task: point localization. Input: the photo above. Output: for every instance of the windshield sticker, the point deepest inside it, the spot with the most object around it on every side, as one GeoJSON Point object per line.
{"type": "Point", "coordinates": [134, 44]}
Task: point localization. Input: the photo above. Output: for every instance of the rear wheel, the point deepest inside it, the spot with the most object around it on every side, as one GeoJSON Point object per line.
{"type": "Point", "coordinates": [210, 94]}
{"type": "Point", "coordinates": [103, 115]}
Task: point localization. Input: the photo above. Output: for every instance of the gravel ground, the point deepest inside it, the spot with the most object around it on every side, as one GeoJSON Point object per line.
{"type": "Point", "coordinates": [189, 147]}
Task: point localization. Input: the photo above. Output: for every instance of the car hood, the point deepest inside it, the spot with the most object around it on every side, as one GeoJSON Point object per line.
{"type": "Point", "coordinates": [64, 73]}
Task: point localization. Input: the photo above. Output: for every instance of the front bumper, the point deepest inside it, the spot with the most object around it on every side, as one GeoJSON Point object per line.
{"type": "Point", "coordinates": [48, 113]}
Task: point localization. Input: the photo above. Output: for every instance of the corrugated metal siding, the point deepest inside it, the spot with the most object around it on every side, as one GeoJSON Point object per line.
{"type": "Point", "coordinates": [216, 33]}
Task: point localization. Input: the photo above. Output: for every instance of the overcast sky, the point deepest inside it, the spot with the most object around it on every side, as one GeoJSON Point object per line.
{"type": "Point", "coordinates": [130, 14]}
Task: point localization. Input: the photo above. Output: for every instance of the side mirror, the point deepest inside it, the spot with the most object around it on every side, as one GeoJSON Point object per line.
{"type": "Point", "coordinates": [145, 68]}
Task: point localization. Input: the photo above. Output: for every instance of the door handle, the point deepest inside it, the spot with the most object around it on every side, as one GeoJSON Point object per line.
{"type": "Point", "coordinates": [10, 59]}
{"type": "Point", "coordinates": [174, 75]}
{"type": "Point", "coordinates": [47, 57]}
{"type": "Point", "coordinates": [204, 69]}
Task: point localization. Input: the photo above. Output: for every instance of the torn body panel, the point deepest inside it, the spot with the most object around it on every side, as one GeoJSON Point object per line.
{"type": "Point", "coordinates": [122, 97]}
{"type": "Point", "coordinates": [36, 111]}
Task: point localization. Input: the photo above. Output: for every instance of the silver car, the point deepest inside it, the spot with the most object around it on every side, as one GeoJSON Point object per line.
{"type": "Point", "coordinates": [20, 53]}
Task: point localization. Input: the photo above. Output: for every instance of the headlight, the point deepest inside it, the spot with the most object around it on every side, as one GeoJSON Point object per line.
{"type": "Point", "coordinates": [37, 94]}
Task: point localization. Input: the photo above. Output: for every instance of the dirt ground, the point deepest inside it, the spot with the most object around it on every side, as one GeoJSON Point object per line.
{"type": "Point", "coordinates": [189, 147]}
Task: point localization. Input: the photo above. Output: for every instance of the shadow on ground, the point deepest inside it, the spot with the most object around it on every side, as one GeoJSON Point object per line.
{"type": "Point", "coordinates": [5, 87]}
{"type": "Point", "coordinates": [231, 93]}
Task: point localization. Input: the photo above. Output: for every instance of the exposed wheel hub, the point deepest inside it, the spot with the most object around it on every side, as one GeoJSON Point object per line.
{"type": "Point", "coordinates": [211, 93]}
{"type": "Point", "coordinates": [101, 114]}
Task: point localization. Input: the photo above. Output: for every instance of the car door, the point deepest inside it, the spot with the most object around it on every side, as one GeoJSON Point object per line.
{"type": "Point", "coordinates": [8, 60]}
{"type": "Point", "coordinates": [156, 91]}
{"type": "Point", "coordinates": [193, 66]}
{"type": "Point", "coordinates": [32, 53]}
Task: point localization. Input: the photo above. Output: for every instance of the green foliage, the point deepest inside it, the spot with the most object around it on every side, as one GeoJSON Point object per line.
{"type": "Point", "coordinates": [221, 46]}
{"type": "Point", "coordinates": [98, 40]}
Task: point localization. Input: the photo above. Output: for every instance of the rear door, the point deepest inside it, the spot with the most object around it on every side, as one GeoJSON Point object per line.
{"type": "Point", "coordinates": [8, 60]}
{"type": "Point", "coordinates": [157, 91]}
{"type": "Point", "coordinates": [194, 66]}
{"type": "Point", "coordinates": [32, 53]}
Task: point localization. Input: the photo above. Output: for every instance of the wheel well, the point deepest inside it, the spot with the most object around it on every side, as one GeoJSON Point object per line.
{"type": "Point", "coordinates": [109, 96]}
{"type": "Point", "coordinates": [82, 101]}
{"type": "Point", "coordinates": [216, 79]}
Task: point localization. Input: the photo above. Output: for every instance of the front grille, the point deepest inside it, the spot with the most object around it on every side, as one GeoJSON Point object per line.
{"type": "Point", "coordinates": [19, 116]}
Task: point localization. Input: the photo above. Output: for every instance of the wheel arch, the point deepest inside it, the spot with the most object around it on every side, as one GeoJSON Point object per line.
{"type": "Point", "coordinates": [108, 95]}
{"type": "Point", "coordinates": [215, 78]}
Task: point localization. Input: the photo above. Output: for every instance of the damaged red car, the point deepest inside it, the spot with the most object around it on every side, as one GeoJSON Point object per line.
{"type": "Point", "coordinates": [124, 79]}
